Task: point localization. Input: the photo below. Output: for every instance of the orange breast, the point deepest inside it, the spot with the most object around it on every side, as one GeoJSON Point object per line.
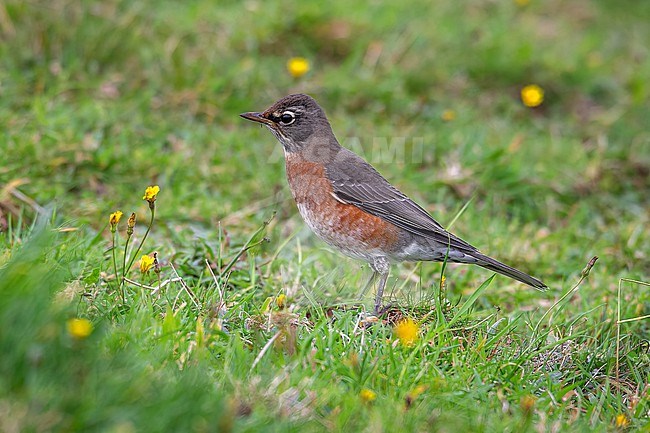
{"type": "Point", "coordinates": [344, 226]}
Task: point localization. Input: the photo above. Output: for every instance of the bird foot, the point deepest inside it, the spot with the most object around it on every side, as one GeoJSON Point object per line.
{"type": "Point", "coordinates": [379, 310]}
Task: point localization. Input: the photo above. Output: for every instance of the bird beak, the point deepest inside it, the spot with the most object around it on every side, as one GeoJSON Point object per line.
{"type": "Point", "coordinates": [257, 117]}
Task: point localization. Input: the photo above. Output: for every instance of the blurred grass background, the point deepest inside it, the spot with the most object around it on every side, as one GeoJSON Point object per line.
{"type": "Point", "coordinates": [100, 99]}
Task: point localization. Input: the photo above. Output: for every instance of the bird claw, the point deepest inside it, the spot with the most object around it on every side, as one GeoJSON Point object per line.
{"type": "Point", "coordinates": [379, 310]}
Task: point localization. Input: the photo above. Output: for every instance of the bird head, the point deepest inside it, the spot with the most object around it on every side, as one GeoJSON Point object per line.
{"type": "Point", "coordinates": [295, 120]}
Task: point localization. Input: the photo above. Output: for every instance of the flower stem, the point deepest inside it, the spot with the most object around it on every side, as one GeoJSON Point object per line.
{"type": "Point", "coordinates": [153, 212]}
{"type": "Point", "coordinates": [124, 271]}
{"type": "Point", "coordinates": [117, 281]}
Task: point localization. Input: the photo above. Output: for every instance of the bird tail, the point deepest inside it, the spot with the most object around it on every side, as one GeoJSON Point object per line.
{"type": "Point", "coordinates": [503, 269]}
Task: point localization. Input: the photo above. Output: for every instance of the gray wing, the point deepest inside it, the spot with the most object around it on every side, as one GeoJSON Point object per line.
{"type": "Point", "coordinates": [356, 182]}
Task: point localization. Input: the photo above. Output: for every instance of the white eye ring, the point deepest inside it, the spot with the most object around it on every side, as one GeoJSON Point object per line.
{"type": "Point", "coordinates": [287, 117]}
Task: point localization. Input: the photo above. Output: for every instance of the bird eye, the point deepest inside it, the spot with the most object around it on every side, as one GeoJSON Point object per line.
{"type": "Point", "coordinates": [287, 118]}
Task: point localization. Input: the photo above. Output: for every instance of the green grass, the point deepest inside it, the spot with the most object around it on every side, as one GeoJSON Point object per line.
{"type": "Point", "coordinates": [100, 99]}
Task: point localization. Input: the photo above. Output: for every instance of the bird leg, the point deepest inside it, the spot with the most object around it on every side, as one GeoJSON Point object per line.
{"type": "Point", "coordinates": [381, 266]}
{"type": "Point", "coordinates": [380, 292]}
{"type": "Point", "coordinates": [369, 284]}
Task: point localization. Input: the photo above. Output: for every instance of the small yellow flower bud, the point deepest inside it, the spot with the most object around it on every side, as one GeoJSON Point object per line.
{"type": "Point", "coordinates": [130, 224]}
{"type": "Point", "coordinates": [281, 301]}
{"type": "Point", "coordinates": [622, 421]}
{"type": "Point", "coordinates": [146, 262]}
{"type": "Point", "coordinates": [156, 263]}
{"type": "Point", "coordinates": [527, 403]}
{"type": "Point", "coordinates": [585, 272]}
{"type": "Point", "coordinates": [368, 395]}
{"type": "Point", "coordinates": [448, 115]}
{"type": "Point", "coordinates": [79, 328]}
{"type": "Point", "coordinates": [298, 66]}
{"type": "Point", "coordinates": [414, 394]}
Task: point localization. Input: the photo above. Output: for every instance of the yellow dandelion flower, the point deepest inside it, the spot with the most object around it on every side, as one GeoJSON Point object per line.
{"type": "Point", "coordinates": [150, 193]}
{"type": "Point", "coordinates": [114, 219]}
{"type": "Point", "coordinates": [281, 301]}
{"type": "Point", "coordinates": [622, 421]}
{"type": "Point", "coordinates": [79, 328]}
{"type": "Point", "coordinates": [146, 262]}
{"type": "Point", "coordinates": [407, 332]}
{"type": "Point", "coordinates": [368, 395]}
{"type": "Point", "coordinates": [522, 2]}
{"type": "Point", "coordinates": [532, 95]}
{"type": "Point", "coordinates": [298, 66]}
{"type": "Point", "coordinates": [448, 115]}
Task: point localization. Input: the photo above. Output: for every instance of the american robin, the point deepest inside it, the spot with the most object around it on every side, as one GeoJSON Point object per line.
{"type": "Point", "coordinates": [349, 205]}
